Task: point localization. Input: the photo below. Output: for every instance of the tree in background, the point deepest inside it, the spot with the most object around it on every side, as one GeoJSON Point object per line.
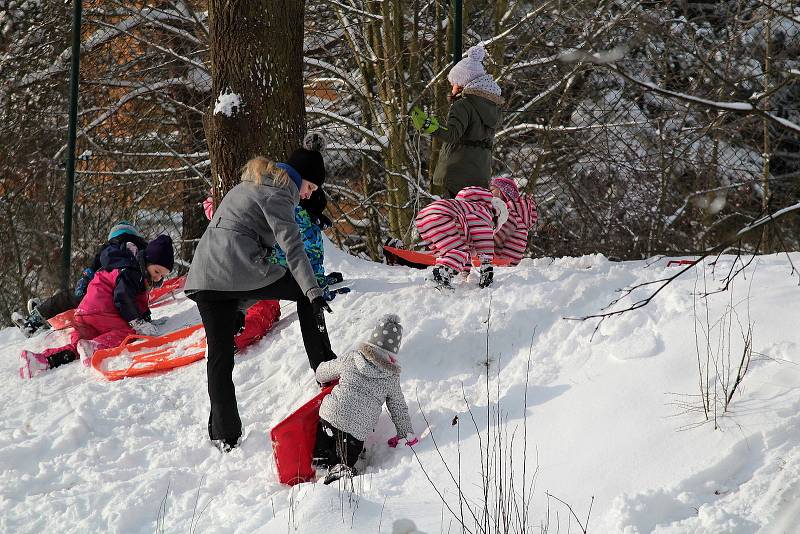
{"type": "Point", "coordinates": [256, 54]}
{"type": "Point", "coordinates": [640, 128]}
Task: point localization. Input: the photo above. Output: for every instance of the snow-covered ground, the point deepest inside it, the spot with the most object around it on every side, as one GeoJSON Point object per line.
{"type": "Point", "coordinates": [615, 416]}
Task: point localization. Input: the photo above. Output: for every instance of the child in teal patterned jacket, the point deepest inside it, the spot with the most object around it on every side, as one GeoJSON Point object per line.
{"type": "Point", "coordinates": [312, 222]}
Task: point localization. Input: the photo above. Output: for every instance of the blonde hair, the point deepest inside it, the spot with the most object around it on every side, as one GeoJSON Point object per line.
{"type": "Point", "coordinates": [255, 170]}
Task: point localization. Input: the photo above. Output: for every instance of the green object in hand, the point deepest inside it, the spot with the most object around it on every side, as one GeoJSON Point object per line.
{"type": "Point", "coordinates": [423, 122]}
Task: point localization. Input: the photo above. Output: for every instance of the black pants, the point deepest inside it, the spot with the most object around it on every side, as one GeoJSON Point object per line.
{"type": "Point", "coordinates": [58, 303]}
{"type": "Point", "coordinates": [335, 446]}
{"type": "Point", "coordinates": [218, 310]}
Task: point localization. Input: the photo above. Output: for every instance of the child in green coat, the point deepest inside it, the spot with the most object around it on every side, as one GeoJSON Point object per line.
{"type": "Point", "coordinates": [466, 156]}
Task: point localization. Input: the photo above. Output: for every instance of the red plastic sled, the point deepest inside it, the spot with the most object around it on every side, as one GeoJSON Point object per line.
{"type": "Point", "coordinates": [670, 263]}
{"type": "Point", "coordinates": [420, 260]}
{"type": "Point", "coordinates": [62, 320]}
{"type": "Point", "coordinates": [170, 288]}
{"type": "Point", "coordinates": [293, 441]}
{"type": "Point", "coordinates": [152, 354]}
{"type": "Point", "coordinates": [258, 321]}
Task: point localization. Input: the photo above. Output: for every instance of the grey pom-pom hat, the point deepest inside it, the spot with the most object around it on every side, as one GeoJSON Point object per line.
{"type": "Point", "coordinates": [387, 334]}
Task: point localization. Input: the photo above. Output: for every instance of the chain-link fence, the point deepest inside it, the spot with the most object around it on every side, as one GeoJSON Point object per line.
{"type": "Point", "coordinates": [629, 123]}
{"type": "Point", "coordinates": [640, 130]}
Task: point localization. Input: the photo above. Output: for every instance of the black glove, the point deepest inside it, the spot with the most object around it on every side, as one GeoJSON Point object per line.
{"type": "Point", "coordinates": [334, 278]}
{"type": "Point", "coordinates": [320, 305]}
{"type": "Point", "coordinates": [323, 221]}
{"type": "Point", "coordinates": [487, 275]}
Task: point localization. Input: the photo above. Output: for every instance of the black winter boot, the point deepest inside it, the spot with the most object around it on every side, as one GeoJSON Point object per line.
{"type": "Point", "coordinates": [487, 275]}
{"type": "Point", "coordinates": [442, 275]}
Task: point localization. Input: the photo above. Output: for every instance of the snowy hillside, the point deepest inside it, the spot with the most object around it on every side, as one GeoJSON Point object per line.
{"type": "Point", "coordinates": [615, 416]}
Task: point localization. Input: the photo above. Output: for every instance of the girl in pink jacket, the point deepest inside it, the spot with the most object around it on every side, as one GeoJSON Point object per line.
{"type": "Point", "coordinates": [511, 238]}
{"type": "Point", "coordinates": [456, 229]}
{"type": "Point", "coordinates": [114, 307]}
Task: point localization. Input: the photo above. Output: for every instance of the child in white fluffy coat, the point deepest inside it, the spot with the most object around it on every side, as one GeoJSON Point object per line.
{"type": "Point", "coordinates": [369, 376]}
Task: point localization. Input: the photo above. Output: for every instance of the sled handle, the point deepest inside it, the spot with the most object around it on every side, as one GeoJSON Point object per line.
{"type": "Point", "coordinates": [133, 337]}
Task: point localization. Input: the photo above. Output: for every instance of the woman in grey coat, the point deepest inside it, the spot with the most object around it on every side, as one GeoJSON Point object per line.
{"type": "Point", "coordinates": [231, 267]}
{"type": "Point", "coordinates": [369, 376]}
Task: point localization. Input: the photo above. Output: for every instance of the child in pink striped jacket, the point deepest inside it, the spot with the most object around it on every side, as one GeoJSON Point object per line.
{"type": "Point", "coordinates": [511, 238]}
{"type": "Point", "coordinates": [458, 228]}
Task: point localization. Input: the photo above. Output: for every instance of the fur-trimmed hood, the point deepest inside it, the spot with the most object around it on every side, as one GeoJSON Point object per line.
{"type": "Point", "coordinates": [375, 361]}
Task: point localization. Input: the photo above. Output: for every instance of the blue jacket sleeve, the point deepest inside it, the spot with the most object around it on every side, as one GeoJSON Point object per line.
{"type": "Point", "coordinates": [312, 243]}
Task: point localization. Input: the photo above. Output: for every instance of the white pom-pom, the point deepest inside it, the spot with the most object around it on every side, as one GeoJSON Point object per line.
{"type": "Point", "coordinates": [477, 52]}
{"type": "Point", "coordinates": [501, 210]}
{"type": "Point", "coordinates": [315, 140]}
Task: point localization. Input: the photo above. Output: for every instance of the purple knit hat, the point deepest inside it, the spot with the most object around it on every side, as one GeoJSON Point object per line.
{"type": "Point", "coordinates": [507, 186]}
{"type": "Point", "coordinates": [159, 252]}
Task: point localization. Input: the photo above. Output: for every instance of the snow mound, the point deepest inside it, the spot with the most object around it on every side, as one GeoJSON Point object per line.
{"type": "Point", "coordinates": [610, 414]}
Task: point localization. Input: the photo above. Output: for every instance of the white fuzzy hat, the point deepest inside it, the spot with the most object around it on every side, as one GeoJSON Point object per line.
{"type": "Point", "coordinates": [468, 68]}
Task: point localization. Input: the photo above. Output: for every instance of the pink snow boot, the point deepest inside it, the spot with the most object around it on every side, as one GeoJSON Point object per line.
{"type": "Point", "coordinates": [32, 364]}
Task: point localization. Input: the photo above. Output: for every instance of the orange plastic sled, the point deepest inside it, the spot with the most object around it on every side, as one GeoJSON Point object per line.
{"type": "Point", "coordinates": [158, 296]}
{"type": "Point", "coordinates": [423, 259]}
{"type": "Point", "coordinates": [152, 354]}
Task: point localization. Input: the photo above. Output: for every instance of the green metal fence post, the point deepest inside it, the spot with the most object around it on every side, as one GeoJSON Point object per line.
{"type": "Point", "coordinates": [69, 194]}
{"type": "Point", "coordinates": [458, 22]}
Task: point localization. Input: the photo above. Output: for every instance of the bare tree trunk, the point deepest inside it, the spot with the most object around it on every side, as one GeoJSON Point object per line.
{"type": "Point", "coordinates": [388, 41]}
{"type": "Point", "coordinates": [257, 84]}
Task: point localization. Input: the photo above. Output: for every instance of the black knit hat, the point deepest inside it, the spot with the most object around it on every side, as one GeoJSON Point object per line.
{"type": "Point", "coordinates": [159, 252]}
{"type": "Point", "coordinates": [308, 159]}
{"type": "Point", "coordinates": [315, 204]}
{"type": "Point", "coordinates": [309, 164]}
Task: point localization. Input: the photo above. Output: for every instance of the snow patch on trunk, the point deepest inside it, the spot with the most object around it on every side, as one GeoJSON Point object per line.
{"type": "Point", "coordinates": [228, 103]}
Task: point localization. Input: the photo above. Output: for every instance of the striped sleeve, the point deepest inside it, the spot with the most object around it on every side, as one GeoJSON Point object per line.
{"type": "Point", "coordinates": [512, 240]}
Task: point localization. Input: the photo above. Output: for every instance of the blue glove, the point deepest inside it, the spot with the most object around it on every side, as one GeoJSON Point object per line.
{"type": "Point", "coordinates": [327, 295]}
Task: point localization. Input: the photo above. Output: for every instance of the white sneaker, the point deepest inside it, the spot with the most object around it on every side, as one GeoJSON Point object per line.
{"type": "Point", "coordinates": [441, 276]}
{"type": "Point", "coordinates": [225, 445]}
{"type": "Point", "coordinates": [86, 348]}
{"type": "Point", "coordinates": [32, 364]}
